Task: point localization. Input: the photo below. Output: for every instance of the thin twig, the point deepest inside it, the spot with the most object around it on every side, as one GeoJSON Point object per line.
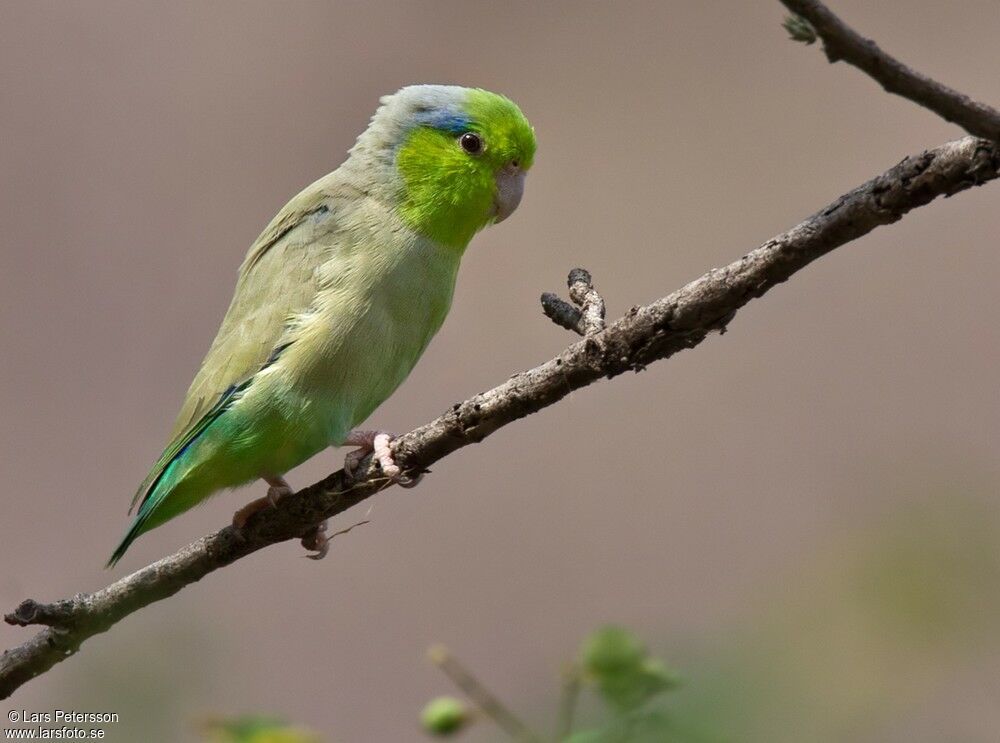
{"type": "Point", "coordinates": [486, 700]}
{"type": "Point", "coordinates": [645, 334]}
{"type": "Point", "coordinates": [567, 701]}
{"type": "Point", "coordinates": [841, 42]}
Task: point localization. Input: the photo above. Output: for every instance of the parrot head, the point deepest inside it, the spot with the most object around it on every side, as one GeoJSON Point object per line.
{"type": "Point", "coordinates": [457, 157]}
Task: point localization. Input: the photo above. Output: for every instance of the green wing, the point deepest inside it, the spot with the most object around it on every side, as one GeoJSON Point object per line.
{"type": "Point", "coordinates": [278, 281]}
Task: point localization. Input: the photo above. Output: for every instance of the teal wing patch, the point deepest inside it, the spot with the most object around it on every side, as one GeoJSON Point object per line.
{"type": "Point", "coordinates": [179, 445]}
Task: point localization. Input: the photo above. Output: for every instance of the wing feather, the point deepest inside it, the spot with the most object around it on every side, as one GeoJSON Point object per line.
{"type": "Point", "coordinates": [278, 280]}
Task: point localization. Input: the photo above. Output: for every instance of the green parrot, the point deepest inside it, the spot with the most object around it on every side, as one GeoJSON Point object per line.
{"type": "Point", "coordinates": [338, 298]}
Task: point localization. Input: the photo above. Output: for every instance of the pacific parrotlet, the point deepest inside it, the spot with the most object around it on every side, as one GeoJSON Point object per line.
{"type": "Point", "coordinates": [338, 298]}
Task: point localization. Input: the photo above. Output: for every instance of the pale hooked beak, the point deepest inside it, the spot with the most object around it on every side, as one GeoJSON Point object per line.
{"type": "Point", "coordinates": [510, 188]}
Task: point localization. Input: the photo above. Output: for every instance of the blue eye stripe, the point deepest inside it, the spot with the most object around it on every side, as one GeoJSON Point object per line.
{"type": "Point", "coordinates": [447, 121]}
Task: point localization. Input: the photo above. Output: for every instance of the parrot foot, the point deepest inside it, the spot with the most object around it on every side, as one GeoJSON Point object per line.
{"type": "Point", "coordinates": [277, 490]}
{"type": "Point", "coordinates": [378, 444]}
{"type": "Point", "coordinates": [317, 542]}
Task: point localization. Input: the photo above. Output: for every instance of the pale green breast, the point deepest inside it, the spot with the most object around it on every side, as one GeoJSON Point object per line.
{"type": "Point", "coordinates": [384, 293]}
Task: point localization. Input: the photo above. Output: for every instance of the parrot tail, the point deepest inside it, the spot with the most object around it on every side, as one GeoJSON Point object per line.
{"type": "Point", "coordinates": [165, 480]}
{"type": "Point", "coordinates": [186, 481]}
{"type": "Point", "coordinates": [130, 536]}
{"type": "Point", "coordinates": [177, 489]}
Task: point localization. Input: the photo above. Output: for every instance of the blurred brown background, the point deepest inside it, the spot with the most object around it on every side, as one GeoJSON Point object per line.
{"type": "Point", "coordinates": [817, 489]}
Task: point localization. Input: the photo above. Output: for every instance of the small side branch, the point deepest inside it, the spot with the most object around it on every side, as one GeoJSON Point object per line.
{"type": "Point", "coordinates": [841, 42]}
{"type": "Point", "coordinates": [586, 297]}
{"type": "Point", "coordinates": [562, 313]}
{"type": "Point", "coordinates": [586, 320]}
{"type": "Point", "coordinates": [58, 614]}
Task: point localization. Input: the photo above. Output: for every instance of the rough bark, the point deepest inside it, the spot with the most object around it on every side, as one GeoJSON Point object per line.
{"type": "Point", "coordinates": [644, 335]}
{"type": "Point", "coordinates": [841, 42]}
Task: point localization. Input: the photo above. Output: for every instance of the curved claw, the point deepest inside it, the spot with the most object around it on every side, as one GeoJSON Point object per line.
{"type": "Point", "coordinates": [409, 481]}
{"type": "Point", "coordinates": [351, 461]}
{"type": "Point", "coordinates": [317, 541]}
{"type": "Point", "coordinates": [276, 493]}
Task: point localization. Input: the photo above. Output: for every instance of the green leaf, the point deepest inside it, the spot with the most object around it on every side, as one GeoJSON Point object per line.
{"type": "Point", "coordinates": [657, 676]}
{"type": "Point", "coordinates": [625, 675]}
{"type": "Point", "coordinates": [799, 29]}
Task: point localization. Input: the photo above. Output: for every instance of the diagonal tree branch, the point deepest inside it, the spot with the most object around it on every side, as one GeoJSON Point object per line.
{"type": "Point", "coordinates": [841, 42]}
{"type": "Point", "coordinates": [645, 334]}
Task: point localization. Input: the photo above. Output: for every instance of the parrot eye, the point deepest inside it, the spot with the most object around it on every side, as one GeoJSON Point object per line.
{"type": "Point", "coordinates": [471, 143]}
